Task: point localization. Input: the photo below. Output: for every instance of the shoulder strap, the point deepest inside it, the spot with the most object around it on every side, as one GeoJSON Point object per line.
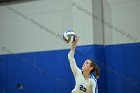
{"type": "Point", "coordinates": [96, 89]}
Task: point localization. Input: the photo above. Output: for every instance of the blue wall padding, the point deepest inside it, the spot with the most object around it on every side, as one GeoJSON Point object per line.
{"type": "Point", "coordinates": [49, 71]}
{"type": "Point", "coordinates": [114, 59]}
{"type": "Point", "coordinates": [132, 68]}
{"type": "Point", "coordinates": [14, 73]}
{"type": "Point", "coordinates": [100, 60]}
{"type": "Point", "coordinates": [3, 74]}
{"type": "Point", "coordinates": [123, 68]}
{"type": "Point", "coordinates": [46, 68]}
{"type": "Point", "coordinates": [29, 72]}
{"type": "Point", "coordinates": [64, 78]}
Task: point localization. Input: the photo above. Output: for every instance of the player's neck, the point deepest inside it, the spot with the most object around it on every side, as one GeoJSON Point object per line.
{"type": "Point", "coordinates": [86, 75]}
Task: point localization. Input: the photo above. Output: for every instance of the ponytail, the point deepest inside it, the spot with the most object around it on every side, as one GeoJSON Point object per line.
{"type": "Point", "coordinates": [95, 69]}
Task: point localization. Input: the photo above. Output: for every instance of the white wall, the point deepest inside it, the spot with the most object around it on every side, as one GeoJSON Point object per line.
{"type": "Point", "coordinates": [107, 21]}
{"type": "Point", "coordinates": [98, 31]}
{"type": "Point", "coordinates": [85, 24]}
{"type": "Point", "coordinates": [38, 25]}
{"type": "Point", "coordinates": [82, 23]}
{"type": "Point", "coordinates": [25, 27]}
{"type": "Point", "coordinates": [121, 21]}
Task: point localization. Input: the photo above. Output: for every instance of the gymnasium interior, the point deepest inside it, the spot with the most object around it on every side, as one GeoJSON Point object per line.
{"type": "Point", "coordinates": [34, 56]}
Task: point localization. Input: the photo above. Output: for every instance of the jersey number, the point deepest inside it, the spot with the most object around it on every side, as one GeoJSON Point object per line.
{"type": "Point", "coordinates": [82, 88]}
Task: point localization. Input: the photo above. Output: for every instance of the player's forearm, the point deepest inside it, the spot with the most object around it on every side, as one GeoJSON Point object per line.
{"type": "Point", "coordinates": [73, 48]}
{"type": "Point", "coordinates": [72, 61]}
{"type": "Point", "coordinates": [71, 55]}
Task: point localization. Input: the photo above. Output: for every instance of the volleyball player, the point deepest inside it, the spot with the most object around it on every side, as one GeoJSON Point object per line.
{"type": "Point", "coordinates": [84, 81]}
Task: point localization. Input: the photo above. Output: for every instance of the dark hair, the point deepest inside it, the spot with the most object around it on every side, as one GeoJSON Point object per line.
{"type": "Point", "coordinates": [95, 68]}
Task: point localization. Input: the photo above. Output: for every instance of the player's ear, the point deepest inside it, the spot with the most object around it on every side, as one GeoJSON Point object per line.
{"type": "Point", "coordinates": [91, 67]}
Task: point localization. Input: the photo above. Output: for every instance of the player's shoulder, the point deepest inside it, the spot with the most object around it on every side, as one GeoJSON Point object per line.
{"type": "Point", "coordinates": [93, 79]}
{"type": "Point", "coordinates": [79, 71]}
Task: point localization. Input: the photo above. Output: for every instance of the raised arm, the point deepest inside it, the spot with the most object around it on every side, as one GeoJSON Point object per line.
{"type": "Point", "coordinates": [71, 58]}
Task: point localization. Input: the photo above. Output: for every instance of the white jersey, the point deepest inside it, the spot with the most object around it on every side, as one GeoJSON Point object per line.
{"type": "Point", "coordinates": [82, 85]}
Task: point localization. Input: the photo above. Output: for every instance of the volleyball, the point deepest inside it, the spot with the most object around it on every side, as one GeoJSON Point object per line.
{"type": "Point", "coordinates": [69, 37]}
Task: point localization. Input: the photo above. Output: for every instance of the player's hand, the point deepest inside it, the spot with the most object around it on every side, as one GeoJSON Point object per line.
{"type": "Point", "coordinates": [75, 43]}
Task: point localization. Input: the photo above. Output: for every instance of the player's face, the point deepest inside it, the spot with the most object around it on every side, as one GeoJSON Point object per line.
{"type": "Point", "coordinates": [86, 66]}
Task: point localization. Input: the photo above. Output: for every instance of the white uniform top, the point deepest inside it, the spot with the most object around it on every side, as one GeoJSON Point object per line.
{"type": "Point", "coordinates": [82, 85]}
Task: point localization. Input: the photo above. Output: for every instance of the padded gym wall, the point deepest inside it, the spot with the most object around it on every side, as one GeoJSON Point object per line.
{"type": "Point", "coordinates": [122, 50]}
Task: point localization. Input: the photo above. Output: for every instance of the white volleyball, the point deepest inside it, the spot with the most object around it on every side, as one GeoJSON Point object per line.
{"type": "Point", "coordinates": [69, 37]}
